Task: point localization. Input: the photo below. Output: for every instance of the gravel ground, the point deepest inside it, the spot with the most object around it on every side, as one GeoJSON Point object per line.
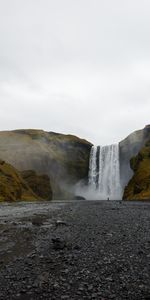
{"type": "Point", "coordinates": [72, 251]}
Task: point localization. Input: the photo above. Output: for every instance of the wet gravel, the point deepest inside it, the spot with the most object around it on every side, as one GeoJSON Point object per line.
{"type": "Point", "coordinates": [72, 251]}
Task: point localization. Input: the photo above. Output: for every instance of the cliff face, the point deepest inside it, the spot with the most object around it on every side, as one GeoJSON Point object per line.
{"type": "Point", "coordinates": [64, 158]}
{"type": "Point", "coordinates": [39, 184]}
{"type": "Point", "coordinates": [138, 187]}
{"type": "Point", "coordinates": [129, 148]}
{"type": "Point", "coordinates": [12, 186]}
{"type": "Point", "coordinates": [26, 185]}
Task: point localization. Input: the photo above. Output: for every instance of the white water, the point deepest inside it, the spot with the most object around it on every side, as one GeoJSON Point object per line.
{"type": "Point", "coordinates": [104, 172]}
{"type": "Point", "coordinates": [92, 167]}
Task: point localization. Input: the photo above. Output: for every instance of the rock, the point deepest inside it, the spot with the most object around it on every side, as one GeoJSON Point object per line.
{"type": "Point", "coordinates": [90, 287]}
{"type": "Point", "coordinates": [12, 185]}
{"type": "Point", "coordinates": [129, 148]}
{"type": "Point", "coordinates": [58, 244]}
{"type": "Point", "coordinates": [61, 223]}
{"type": "Point", "coordinates": [18, 295]}
{"type": "Point", "coordinates": [105, 271]}
{"type": "Point", "coordinates": [138, 187]}
{"type": "Point", "coordinates": [79, 198]}
{"type": "Point", "coordinates": [64, 158]}
{"type": "Point", "coordinates": [37, 222]}
{"type": "Point", "coordinates": [40, 184]}
{"type": "Point", "coordinates": [77, 247]}
{"type": "Point", "coordinates": [65, 297]}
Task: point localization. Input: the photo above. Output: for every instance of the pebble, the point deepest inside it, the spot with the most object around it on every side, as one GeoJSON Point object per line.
{"type": "Point", "coordinates": [107, 258]}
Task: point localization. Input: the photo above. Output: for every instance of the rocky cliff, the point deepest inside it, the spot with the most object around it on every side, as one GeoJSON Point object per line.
{"type": "Point", "coordinates": [39, 184]}
{"type": "Point", "coordinates": [64, 158]}
{"type": "Point", "coordinates": [12, 186]}
{"type": "Point", "coordinates": [129, 148]}
{"type": "Point", "coordinates": [26, 185]}
{"type": "Point", "coordinates": [138, 187]}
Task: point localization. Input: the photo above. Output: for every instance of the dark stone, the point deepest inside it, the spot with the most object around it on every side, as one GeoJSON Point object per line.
{"type": "Point", "coordinates": [58, 244]}
{"type": "Point", "coordinates": [61, 223]}
{"type": "Point", "coordinates": [37, 222]}
{"type": "Point", "coordinates": [79, 198]}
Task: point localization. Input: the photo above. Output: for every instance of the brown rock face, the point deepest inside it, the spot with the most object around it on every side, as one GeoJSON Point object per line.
{"type": "Point", "coordinates": [12, 186]}
{"type": "Point", "coordinates": [138, 187]}
{"type": "Point", "coordinates": [40, 184]}
{"type": "Point", "coordinates": [64, 158]}
{"type": "Point", "coordinates": [130, 147]}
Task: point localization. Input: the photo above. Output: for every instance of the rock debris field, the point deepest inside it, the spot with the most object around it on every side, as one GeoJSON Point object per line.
{"type": "Point", "coordinates": [75, 250]}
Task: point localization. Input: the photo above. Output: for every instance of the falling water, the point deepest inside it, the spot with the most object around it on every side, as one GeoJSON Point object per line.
{"type": "Point", "coordinates": [104, 172]}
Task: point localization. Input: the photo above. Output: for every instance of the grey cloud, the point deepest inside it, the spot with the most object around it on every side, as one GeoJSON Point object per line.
{"type": "Point", "coordinates": [80, 67]}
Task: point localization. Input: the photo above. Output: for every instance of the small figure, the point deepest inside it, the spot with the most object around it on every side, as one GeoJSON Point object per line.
{"type": "Point", "coordinates": [108, 199]}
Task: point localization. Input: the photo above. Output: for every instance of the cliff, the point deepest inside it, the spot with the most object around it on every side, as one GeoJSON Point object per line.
{"type": "Point", "coordinates": [26, 185]}
{"type": "Point", "coordinates": [129, 148]}
{"type": "Point", "coordinates": [12, 186]}
{"type": "Point", "coordinates": [39, 184]}
{"type": "Point", "coordinates": [138, 187]}
{"type": "Point", "coordinates": [64, 158]}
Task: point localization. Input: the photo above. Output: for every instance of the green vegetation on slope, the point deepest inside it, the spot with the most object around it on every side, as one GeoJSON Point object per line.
{"type": "Point", "coordinates": [138, 187]}
{"type": "Point", "coordinates": [27, 185]}
{"type": "Point", "coordinates": [12, 186]}
{"type": "Point", "coordinates": [40, 184]}
{"type": "Point", "coordinates": [64, 158]}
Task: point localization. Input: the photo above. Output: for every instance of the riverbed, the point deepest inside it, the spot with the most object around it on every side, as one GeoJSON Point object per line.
{"type": "Point", "coordinates": [75, 250]}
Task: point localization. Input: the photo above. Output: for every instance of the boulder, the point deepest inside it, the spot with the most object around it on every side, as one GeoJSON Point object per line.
{"type": "Point", "coordinates": [79, 198]}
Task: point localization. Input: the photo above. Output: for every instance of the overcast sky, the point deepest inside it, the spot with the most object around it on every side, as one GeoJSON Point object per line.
{"type": "Point", "coordinates": [75, 66]}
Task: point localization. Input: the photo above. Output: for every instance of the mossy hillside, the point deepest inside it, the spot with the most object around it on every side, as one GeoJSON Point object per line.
{"type": "Point", "coordinates": [26, 185]}
{"type": "Point", "coordinates": [130, 147]}
{"type": "Point", "coordinates": [75, 159]}
{"type": "Point", "coordinates": [40, 184]}
{"type": "Point", "coordinates": [64, 158]}
{"type": "Point", "coordinates": [139, 186]}
{"type": "Point", "coordinates": [12, 186]}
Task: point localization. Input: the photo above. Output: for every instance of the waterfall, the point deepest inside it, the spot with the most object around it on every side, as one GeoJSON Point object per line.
{"type": "Point", "coordinates": [104, 172]}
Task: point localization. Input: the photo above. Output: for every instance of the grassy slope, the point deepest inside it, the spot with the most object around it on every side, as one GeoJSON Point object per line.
{"type": "Point", "coordinates": [40, 184]}
{"type": "Point", "coordinates": [64, 158]}
{"type": "Point", "coordinates": [139, 186]}
{"type": "Point", "coordinates": [12, 186]}
{"type": "Point", "coordinates": [25, 185]}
